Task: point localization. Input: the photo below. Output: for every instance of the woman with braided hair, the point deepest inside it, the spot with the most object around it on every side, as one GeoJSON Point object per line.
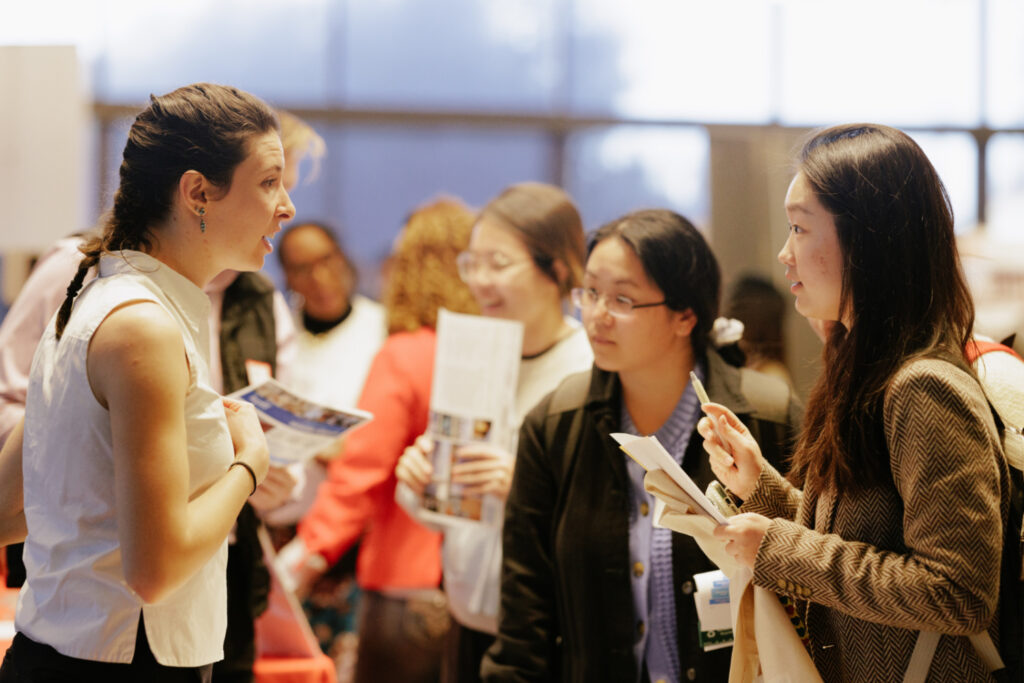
{"type": "Point", "coordinates": [129, 470]}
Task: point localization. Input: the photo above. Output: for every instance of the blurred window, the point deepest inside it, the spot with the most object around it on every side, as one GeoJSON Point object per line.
{"type": "Point", "coordinates": [614, 170]}
{"type": "Point", "coordinates": [665, 59]}
{"type": "Point", "coordinates": [955, 158]}
{"type": "Point", "coordinates": [1005, 188]}
{"type": "Point", "coordinates": [274, 49]}
{"type": "Point", "coordinates": [451, 54]}
{"type": "Point", "coordinates": [912, 62]}
{"type": "Point", "coordinates": [1004, 61]}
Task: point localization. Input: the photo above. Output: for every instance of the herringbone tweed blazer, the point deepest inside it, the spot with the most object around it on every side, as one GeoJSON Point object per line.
{"type": "Point", "coordinates": [922, 552]}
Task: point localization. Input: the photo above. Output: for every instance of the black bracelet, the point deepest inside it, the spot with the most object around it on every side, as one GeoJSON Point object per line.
{"type": "Point", "coordinates": [250, 470]}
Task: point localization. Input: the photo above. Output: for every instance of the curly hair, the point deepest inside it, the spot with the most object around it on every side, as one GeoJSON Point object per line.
{"type": "Point", "coordinates": [424, 276]}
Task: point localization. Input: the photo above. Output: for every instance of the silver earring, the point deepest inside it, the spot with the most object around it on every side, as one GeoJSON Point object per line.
{"type": "Point", "coordinates": [202, 221]}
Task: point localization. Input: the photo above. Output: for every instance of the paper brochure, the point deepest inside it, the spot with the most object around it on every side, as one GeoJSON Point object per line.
{"type": "Point", "coordinates": [297, 429]}
{"type": "Point", "coordinates": [648, 452]}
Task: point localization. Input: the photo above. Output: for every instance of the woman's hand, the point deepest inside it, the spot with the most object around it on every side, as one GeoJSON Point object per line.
{"type": "Point", "coordinates": [12, 494]}
{"type": "Point", "coordinates": [297, 567]}
{"type": "Point", "coordinates": [743, 535]}
{"type": "Point", "coordinates": [738, 462]}
{"type": "Point", "coordinates": [414, 468]}
{"type": "Point", "coordinates": [247, 437]}
{"type": "Point", "coordinates": [275, 491]}
{"type": "Point", "coordinates": [481, 468]}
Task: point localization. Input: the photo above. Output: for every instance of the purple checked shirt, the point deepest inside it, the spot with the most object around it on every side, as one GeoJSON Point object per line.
{"type": "Point", "coordinates": [650, 549]}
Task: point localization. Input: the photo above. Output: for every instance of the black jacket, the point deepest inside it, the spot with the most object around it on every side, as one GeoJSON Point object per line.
{"type": "Point", "coordinates": [566, 599]}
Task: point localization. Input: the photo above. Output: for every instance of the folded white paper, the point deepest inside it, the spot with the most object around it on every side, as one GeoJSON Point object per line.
{"type": "Point", "coordinates": [648, 452]}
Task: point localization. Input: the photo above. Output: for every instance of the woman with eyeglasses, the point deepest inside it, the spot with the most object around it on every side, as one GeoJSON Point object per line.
{"type": "Point", "coordinates": [525, 255]}
{"type": "Point", "coordinates": [590, 590]}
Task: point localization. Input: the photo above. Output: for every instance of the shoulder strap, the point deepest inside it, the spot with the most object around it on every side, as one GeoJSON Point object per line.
{"type": "Point", "coordinates": [570, 393]}
{"type": "Point", "coordinates": [769, 395]}
{"type": "Point", "coordinates": [999, 375]}
{"type": "Point", "coordinates": [976, 348]}
{"type": "Point", "coordinates": [567, 396]}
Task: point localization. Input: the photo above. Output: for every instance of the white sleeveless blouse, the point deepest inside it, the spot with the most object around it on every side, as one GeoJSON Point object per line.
{"type": "Point", "coordinates": [75, 598]}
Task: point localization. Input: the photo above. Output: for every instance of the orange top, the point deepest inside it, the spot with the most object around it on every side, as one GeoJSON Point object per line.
{"type": "Point", "coordinates": [358, 498]}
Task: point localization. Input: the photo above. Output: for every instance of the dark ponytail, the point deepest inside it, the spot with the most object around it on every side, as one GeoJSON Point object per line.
{"type": "Point", "coordinates": [200, 127]}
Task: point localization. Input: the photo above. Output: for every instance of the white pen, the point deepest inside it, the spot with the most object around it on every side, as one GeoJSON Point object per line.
{"type": "Point", "coordinates": [703, 397]}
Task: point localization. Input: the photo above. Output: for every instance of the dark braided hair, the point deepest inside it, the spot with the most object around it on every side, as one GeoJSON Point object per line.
{"type": "Point", "coordinates": [200, 127]}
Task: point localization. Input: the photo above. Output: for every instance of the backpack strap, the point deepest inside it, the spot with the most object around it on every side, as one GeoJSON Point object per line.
{"type": "Point", "coordinates": [921, 657]}
{"type": "Point", "coordinates": [979, 347]}
{"type": "Point", "coordinates": [928, 641]}
{"type": "Point", "coordinates": [1000, 374]}
{"type": "Point", "coordinates": [568, 396]}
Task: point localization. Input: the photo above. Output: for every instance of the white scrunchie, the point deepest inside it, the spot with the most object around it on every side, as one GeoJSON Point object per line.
{"type": "Point", "coordinates": [726, 331]}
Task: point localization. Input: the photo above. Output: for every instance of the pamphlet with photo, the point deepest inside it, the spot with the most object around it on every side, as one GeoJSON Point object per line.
{"type": "Point", "coordinates": [296, 428]}
{"type": "Point", "coordinates": [472, 407]}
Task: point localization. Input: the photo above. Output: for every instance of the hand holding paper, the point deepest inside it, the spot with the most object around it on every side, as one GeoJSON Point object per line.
{"type": "Point", "coordinates": [414, 468]}
{"type": "Point", "coordinates": [483, 468]}
{"type": "Point", "coordinates": [295, 428]}
{"type": "Point", "coordinates": [742, 537]}
{"type": "Point", "coordinates": [652, 456]}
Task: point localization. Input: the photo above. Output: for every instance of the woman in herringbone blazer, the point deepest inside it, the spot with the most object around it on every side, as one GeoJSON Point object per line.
{"type": "Point", "coordinates": [891, 522]}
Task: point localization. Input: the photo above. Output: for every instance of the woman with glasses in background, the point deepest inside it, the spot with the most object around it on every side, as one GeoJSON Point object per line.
{"type": "Point", "coordinates": [590, 590]}
{"type": "Point", "coordinates": [524, 257]}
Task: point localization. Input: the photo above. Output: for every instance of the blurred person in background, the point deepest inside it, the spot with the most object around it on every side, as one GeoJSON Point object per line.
{"type": "Point", "coordinates": [403, 616]}
{"type": "Point", "coordinates": [339, 332]}
{"type": "Point", "coordinates": [756, 303]}
{"type": "Point", "coordinates": [524, 257]}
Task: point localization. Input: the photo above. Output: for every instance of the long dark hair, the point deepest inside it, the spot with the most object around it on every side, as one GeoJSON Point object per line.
{"type": "Point", "coordinates": [549, 224]}
{"type": "Point", "coordinates": [200, 127]}
{"type": "Point", "coordinates": [903, 292]}
{"type": "Point", "coordinates": [677, 259]}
